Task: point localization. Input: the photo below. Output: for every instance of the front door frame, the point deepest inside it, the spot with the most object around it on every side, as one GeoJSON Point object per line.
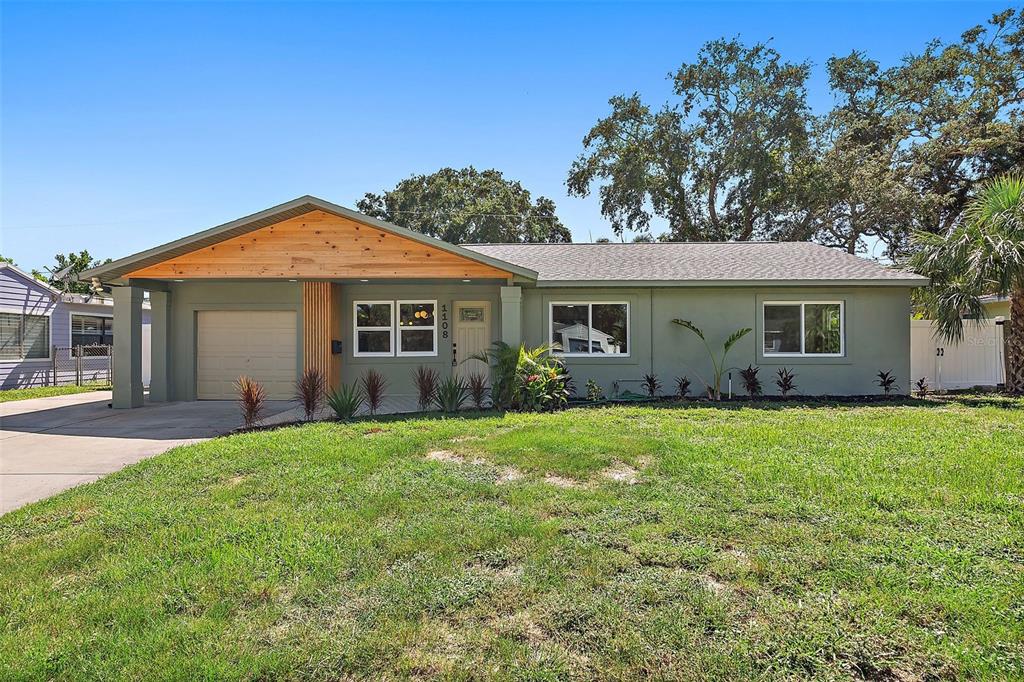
{"type": "Point", "coordinates": [457, 356]}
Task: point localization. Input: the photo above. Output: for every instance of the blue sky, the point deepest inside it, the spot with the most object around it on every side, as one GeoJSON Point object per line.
{"type": "Point", "coordinates": [128, 125]}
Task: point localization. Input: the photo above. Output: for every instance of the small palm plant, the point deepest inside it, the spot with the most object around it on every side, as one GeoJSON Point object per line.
{"type": "Point", "coordinates": [887, 382]}
{"type": "Point", "coordinates": [374, 384]}
{"type": "Point", "coordinates": [682, 387]}
{"type": "Point", "coordinates": [651, 384]}
{"type": "Point", "coordinates": [750, 380]}
{"type": "Point", "coordinates": [345, 400]}
{"type": "Point", "coordinates": [252, 399]}
{"type": "Point", "coordinates": [425, 379]}
{"type": "Point", "coordinates": [785, 381]}
{"type": "Point", "coordinates": [714, 389]}
{"type": "Point", "coordinates": [451, 394]}
{"type": "Point", "coordinates": [309, 391]}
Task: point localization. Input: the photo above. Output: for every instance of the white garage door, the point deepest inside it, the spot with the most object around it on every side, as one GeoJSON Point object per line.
{"type": "Point", "coordinates": [257, 343]}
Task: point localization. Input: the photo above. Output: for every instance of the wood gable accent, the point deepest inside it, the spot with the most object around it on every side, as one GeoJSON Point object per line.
{"type": "Point", "coordinates": [319, 245]}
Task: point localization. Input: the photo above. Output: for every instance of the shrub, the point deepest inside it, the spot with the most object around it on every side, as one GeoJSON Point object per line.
{"type": "Point", "coordinates": [345, 400]}
{"type": "Point", "coordinates": [750, 380]}
{"type": "Point", "coordinates": [252, 399]}
{"type": "Point", "coordinates": [682, 386]}
{"type": "Point", "coordinates": [426, 379]}
{"type": "Point", "coordinates": [451, 394]}
{"type": "Point", "coordinates": [922, 386]}
{"type": "Point", "coordinates": [309, 391]}
{"type": "Point", "coordinates": [374, 385]}
{"type": "Point", "coordinates": [477, 385]}
{"type": "Point", "coordinates": [784, 381]}
{"type": "Point", "coordinates": [651, 384]}
{"type": "Point", "coordinates": [594, 391]}
{"type": "Point", "coordinates": [887, 382]}
{"type": "Point", "coordinates": [526, 378]}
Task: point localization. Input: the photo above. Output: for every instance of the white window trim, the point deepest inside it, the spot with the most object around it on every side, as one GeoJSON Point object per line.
{"type": "Point", "coordinates": [398, 316]}
{"type": "Point", "coordinates": [71, 322]}
{"type": "Point", "coordinates": [803, 338]}
{"type": "Point", "coordinates": [49, 328]}
{"type": "Point", "coordinates": [356, 329]}
{"type": "Point", "coordinates": [590, 312]}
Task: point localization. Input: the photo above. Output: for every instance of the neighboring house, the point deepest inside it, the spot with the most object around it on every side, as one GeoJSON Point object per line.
{"type": "Point", "coordinates": [37, 321]}
{"type": "Point", "coordinates": [310, 284]}
{"type": "Point", "coordinates": [996, 306]}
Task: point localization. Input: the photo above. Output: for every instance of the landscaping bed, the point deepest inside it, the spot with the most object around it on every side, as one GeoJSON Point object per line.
{"type": "Point", "coordinates": [694, 541]}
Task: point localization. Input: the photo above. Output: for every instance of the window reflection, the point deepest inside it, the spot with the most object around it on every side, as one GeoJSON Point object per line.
{"type": "Point", "coordinates": [590, 328]}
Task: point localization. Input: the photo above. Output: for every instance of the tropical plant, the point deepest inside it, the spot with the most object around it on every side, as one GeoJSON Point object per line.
{"type": "Point", "coordinates": [651, 384]}
{"type": "Point", "coordinates": [309, 391]}
{"type": "Point", "coordinates": [887, 382]}
{"type": "Point", "coordinates": [425, 379]}
{"type": "Point", "coordinates": [714, 389]}
{"type": "Point", "coordinates": [594, 391]}
{"type": "Point", "coordinates": [682, 386]}
{"type": "Point", "coordinates": [750, 380]}
{"type": "Point", "coordinates": [451, 394]}
{"type": "Point", "coordinates": [252, 399]}
{"type": "Point", "coordinates": [526, 378]}
{"type": "Point", "coordinates": [922, 386]}
{"type": "Point", "coordinates": [374, 384]}
{"type": "Point", "coordinates": [477, 386]}
{"type": "Point", "coordinates": [345, 400]}
{"type": "Point", "coordinates": [983, 254]}
{"type": "Point", "coordinates": [785, 381]}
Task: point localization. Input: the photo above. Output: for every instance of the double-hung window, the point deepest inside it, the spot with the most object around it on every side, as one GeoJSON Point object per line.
{"type": "Point", "coordinates": [390, 328]}
{"type": "Point", "coordinates": [796, 328]}
{"type": "Point", "coordinates": [590, 328]}
{"type": "Point", "coordinates": [374, 323]}
{"type": "Point", "coordinates": [24, 337]}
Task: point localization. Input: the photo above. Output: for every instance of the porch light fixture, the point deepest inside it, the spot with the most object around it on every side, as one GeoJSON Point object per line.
{"type": "Point", "coordinates": [467, 280]}
{"type": "Point", "coordinates": [364, 280]}
{"type": "Point", "coordinates": [179, 280]}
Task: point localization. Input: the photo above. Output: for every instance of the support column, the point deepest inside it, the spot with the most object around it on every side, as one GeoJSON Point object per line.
{"type": "Point", "coordinates": [159, 346]}
{"type": "Point", "coordinates": [321, 321]}
{"type": "Point", "coordinates": [512, 315]}
{"type": "Point", "coordinates": [127, 347]}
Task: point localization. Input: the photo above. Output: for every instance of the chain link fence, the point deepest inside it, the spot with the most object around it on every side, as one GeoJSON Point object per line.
{"type": "Point", "coordinates": [81, 365]}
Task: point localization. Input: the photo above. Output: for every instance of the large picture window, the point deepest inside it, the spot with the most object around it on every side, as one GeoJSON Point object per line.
{"type": "Point", "coordinates": [417, 328]}
{"type": "Point", "coordinates": [813, 328]}
{"type": "Point", "coordinates": [590, 328]}
{"type": "Point", "coordinates": [374, 323]}
{"type": "Point", "coordinates": [24, 337]}
{"type": "Point", "coordinates": [89, 330]}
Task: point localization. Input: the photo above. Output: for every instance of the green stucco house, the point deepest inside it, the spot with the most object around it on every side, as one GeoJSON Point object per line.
{"type": "Point", "coordinates": [313, 284]}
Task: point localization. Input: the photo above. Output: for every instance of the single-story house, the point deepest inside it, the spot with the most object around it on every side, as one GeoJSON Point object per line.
{"type": "Point", "coordinates": [310, 284]}
{"type": "Point", "coordinates": [40, 324]}
{"type": "Point", "coordinates": [996, 306]}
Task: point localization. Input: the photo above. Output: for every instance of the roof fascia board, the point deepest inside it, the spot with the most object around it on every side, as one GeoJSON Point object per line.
{"type": "Point", "coordinates": [30, 279]}
{"type": "Point", "coordinates": [903, 282]}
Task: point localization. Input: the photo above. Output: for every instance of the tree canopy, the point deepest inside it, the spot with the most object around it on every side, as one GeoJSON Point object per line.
{"type": "Point", "coordinates": [64, 273]}
{"type": "Point", "coordinates": [467, 206]}
{"type": "Point", "coordinates": [737, 154]}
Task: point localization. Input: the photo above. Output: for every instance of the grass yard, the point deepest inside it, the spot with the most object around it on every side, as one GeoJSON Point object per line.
{"type": "Point", "coordinates": [881, 542]}
{"type": "Point", "coordinates": [48, 391]}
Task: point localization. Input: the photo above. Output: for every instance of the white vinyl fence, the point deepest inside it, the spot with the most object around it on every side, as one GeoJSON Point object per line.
{"type": "Point", "coordinates": [976, 361]}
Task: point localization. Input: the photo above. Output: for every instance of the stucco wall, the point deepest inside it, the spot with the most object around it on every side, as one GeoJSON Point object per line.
{"type": "Point", "coordinates": [877, 336]}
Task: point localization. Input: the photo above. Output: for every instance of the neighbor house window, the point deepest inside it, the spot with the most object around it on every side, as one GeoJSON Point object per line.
{"type": "Point", "coordinates": [374, 328]}
{"type": "Point", "coordinates": [91, 330]}
{"type": "Point", "coordinates": [804, 328]}
{"type": "Point", "coordinates": [590, 328]}
{"type": "Point", "coordinates": [24, 337]}
{"type": "Point", "coordinates": [417, 328]}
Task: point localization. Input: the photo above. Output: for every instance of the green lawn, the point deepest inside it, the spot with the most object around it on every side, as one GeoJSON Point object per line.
{"type": "Point", "coordinates": [881, 542]}
{"type": "Point", "coordinates": [47, 391]}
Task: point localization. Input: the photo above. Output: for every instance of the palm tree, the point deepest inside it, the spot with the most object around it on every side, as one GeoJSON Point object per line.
{"type": "Point", "coordinates": [984, 254]}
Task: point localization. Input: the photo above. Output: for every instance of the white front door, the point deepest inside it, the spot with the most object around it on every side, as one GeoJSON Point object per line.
{"type": "Point", "coordinates": [472, 336]}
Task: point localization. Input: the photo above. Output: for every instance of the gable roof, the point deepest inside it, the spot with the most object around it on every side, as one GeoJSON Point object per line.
{"type": "Point", "coordinates": [29, 279]}
{"type": "Point", "coordinates": [296, 207]}
{"type": "Point", "coordinates": [696, 264]}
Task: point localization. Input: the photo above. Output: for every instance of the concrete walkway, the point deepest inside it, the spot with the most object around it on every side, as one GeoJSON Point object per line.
{"type": "Point", "coordinates": [50, 444]}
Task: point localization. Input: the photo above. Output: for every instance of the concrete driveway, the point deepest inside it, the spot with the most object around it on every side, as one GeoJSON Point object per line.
{"type": "Point", "coordinates": [50, 444]}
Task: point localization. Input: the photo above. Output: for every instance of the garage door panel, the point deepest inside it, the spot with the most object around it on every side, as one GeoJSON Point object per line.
{"type": "Point", "coordinates": [260, 344]}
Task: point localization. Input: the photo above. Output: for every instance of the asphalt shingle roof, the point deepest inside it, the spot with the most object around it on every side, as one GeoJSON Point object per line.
{"type": "Point", "coordinates": [695, 262]}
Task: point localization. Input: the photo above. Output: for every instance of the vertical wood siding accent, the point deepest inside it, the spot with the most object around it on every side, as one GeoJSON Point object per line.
{"type": "Point", "coordinates": [334, 378]}
{"type": "Point", "coordinates": [318, 322]}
